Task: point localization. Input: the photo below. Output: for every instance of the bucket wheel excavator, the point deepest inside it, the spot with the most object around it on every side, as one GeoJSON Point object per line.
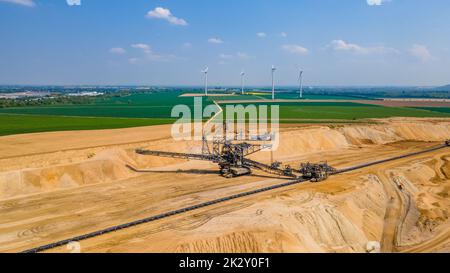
{"type": "Point", "coordinates": [231, 157]}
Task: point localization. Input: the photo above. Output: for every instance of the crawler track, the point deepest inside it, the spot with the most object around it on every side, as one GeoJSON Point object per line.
{"type": "Point", "coordinates": [213, 202]}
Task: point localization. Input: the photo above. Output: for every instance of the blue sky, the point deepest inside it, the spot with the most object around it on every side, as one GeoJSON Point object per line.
{"type": "Point", "coordinates": [336, 42]}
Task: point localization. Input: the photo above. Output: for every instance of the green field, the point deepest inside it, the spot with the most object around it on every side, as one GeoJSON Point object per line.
{"type": "Point", "coordinates": [346, 111]}
{"type": "Point", "coordinates": [150, 109]}
{"type": "Point", "coordinates": [436, 109]}
{"type": "Point", "coordinates": [295, 96]}
{"type": "Point", "coordinates": [21, 124]}
{"type": "Point", "coordinates": [158, 105]}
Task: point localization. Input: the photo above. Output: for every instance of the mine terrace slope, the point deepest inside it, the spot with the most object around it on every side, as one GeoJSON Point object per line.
{"type": "Point", "coordinates": [55, 186]}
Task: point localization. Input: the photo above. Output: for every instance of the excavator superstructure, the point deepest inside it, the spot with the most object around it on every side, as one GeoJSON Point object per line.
{"type": "Point", "coordinates": [231, 155]}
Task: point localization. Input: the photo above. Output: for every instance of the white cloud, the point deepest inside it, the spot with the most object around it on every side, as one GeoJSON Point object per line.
{"type": "Point", "coordinates": [27, 3]}
{"type": "Point", "coordinates": [283, 34]}
{"type": "Point", "coordinates": [215, 41]}
{"type": "Point", "coordinates": [146, 48]}
{"type": "Point", "coordinates": [73, 2]}
{"type": "Point", "coordinates": [261, 35]}
{"type": "Point", "coordinates": [117, 50]}
{"type": "Point", "coordinates": [150, 54]}
{"type": "Point", "coordinates": [295, 49]}
{"type": "Point", "coordinates": [225, 56]}
{"type": "Point", "coordinates": [166, 14]}
{"type": "Point", "coordinates": [421, 52]}
{"type": "Point", "coordinates": [376, 2]}
{"type": "Point", "coordinates": [341, 45]}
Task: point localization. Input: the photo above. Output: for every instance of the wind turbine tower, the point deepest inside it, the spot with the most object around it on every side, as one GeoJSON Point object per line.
{"type": "Point", "coordinates": [300, 80]}
{"type": "Point", "coordinates": [273, 82]}
{"type": "Point", "coordinates": [242, 82]}
{"type": "Point", "coordinates": [206, 80]}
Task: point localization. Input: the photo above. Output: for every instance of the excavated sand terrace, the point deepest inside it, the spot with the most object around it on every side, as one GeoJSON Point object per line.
{"type": "Point", "coordinates": [58, 185]}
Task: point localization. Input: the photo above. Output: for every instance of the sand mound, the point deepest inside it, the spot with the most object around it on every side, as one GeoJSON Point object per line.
{"type": "Point", "coordinates": [107, 167]}
{"type": "Point", "coordinates": [425, 192]}
{"type": "Point", "coordinates": [328, 138]}
{"type": "Point", "coordinates": [59, 170]}
{"type": "Point", "coordinates": [297, 222]}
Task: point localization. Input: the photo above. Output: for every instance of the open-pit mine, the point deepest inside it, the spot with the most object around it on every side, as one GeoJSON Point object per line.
{"type": "Point", "coordinates": [385, 188]}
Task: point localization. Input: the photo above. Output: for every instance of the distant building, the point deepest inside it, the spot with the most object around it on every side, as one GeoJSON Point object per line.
{"type": "Point", "coordinates": [26, 94]}
{"type": "Point", "coordinates": [85, 94]}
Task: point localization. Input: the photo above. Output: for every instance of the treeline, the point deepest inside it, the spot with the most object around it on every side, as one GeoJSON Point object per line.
{"type": "Point", "coordinates": [374, 93]}
{"type": "Point", "coordinates": [418, 94]}
{"type": "Point", "coordinates": [22, 102]}
{"type": "Point", "coordinates": [59, 99]}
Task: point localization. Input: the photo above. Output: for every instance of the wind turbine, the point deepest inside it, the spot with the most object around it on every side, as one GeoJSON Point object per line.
{"type": "Point", "coordinates": [242, 81]}
{"type": "Point", "coordinates": [273, 82]}
{"type": "Point", "coordinates": [205, 71]}
{"type": "Point", "coordinates": [300, 80]}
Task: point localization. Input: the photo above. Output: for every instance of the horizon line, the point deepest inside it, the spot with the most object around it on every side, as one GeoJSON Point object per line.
{"type": "Point", "coordinates": [217, 86]}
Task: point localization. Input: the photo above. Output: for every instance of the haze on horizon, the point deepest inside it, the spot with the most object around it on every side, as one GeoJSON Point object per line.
{"type": "Point", "coordinates": [143, 42]}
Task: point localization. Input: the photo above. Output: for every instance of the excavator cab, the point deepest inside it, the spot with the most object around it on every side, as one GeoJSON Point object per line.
{"type": "Point", "coordinates": [288, 171]}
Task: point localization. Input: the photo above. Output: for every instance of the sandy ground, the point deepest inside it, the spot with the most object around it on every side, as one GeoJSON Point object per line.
{"type": "Point", "coordinates": [417, 99]}
{"type": "Point", "coordinates": [58, 185]}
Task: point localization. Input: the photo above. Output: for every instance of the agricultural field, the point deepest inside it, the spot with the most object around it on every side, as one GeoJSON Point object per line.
{"type": "Point", "coordinates": [436, 109]}
{"type": "Point", "coordinates": [346, 111]}
{"type": "Point", "coordinates": [143, 109]}
{"type": "Point", "coordinates": [295, 96]}
{"type": "Point", "coordinates": [20, 124]}
{"type": "Point", "coordinates": [141, 105]}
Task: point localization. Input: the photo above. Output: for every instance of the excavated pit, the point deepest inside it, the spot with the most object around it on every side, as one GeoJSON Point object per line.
{"type": "Point", "coordinates": [404, 205]}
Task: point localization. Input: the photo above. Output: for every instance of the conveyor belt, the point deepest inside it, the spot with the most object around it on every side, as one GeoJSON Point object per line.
{"type": "Point", "coordinates": [389, 159]}
{"type": "Point", "coordinates": [266, 168]}
{"type": "Point", "coordinates": [158, 217]}
{"type": "Point", "coordinates": [176, 155]}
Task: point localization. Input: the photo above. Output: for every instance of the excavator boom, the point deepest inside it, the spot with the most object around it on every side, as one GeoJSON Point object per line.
{"type": "Point", "coordinates": [204, 157]}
